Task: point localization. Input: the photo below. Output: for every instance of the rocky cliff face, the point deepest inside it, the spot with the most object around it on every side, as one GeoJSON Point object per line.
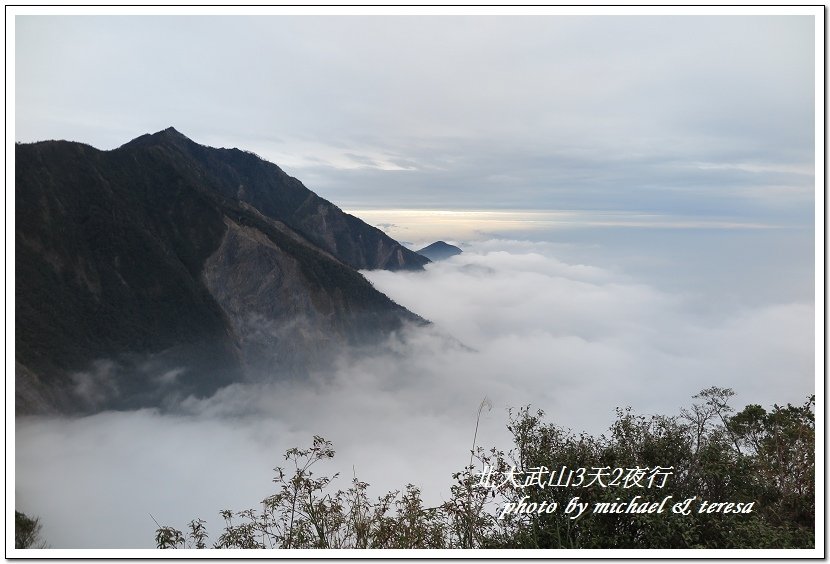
{"type": "Point", "coordinates": [165, 268]}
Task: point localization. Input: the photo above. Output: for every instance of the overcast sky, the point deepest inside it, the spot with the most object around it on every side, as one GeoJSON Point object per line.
{"type": "Point", "coordinates": [701, 115]}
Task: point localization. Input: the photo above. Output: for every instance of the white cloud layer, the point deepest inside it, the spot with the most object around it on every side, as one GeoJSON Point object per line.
{"type": "Point", "coordinates": [575, 340]}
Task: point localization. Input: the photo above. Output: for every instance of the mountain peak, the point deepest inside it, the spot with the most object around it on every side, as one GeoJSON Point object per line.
{"type": "Point", "coordinates": [169, 135]}
{"type": "Point", "coordinates": [439, 250]}
{"type": "Point", "coordinates": [171, 132]}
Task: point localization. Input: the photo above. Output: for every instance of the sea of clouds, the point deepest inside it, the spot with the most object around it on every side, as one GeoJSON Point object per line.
{"type": "Point", "coordinates": [512, 321]}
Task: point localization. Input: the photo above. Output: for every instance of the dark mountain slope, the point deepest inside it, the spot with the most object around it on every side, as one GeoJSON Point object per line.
{"type": "Point", "coordinates": [142, 277]}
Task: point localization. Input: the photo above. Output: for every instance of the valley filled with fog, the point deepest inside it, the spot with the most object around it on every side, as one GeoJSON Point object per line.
{"type": "Point", "coordinates": [575, 321]}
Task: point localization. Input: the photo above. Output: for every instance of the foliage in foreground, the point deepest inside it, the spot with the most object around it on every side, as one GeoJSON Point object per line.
{"type": "Point", "coordinates": [27, 531]}
{"type": "Point", "coordinates": [756, 456]}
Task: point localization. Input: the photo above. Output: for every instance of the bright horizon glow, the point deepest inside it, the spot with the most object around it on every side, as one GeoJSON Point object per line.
{"type": "Point", "coordinates": [416, 225]}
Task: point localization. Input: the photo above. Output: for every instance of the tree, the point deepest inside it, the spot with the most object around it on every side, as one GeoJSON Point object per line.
{"type": "Point", "coordinates": [27, 531]}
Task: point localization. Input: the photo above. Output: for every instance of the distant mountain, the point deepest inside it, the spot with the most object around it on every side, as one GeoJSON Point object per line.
{"type": "Point", "coordinates": [439, 250]}
{"type": "Point", "coordinates": [166, 268]}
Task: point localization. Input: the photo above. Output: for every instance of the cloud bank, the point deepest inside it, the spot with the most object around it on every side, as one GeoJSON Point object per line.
{"type": "Point", "coordinates": [511, 322]}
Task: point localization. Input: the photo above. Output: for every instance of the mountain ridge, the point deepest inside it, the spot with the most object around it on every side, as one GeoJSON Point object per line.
{"type": "Point", "coordinates": [151, 272]}
{"type": "Point", "coordinates": [289, 201]}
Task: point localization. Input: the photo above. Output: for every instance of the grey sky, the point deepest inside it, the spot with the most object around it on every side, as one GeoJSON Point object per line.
{"type": "Point", "coordinates": [677, 114]}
